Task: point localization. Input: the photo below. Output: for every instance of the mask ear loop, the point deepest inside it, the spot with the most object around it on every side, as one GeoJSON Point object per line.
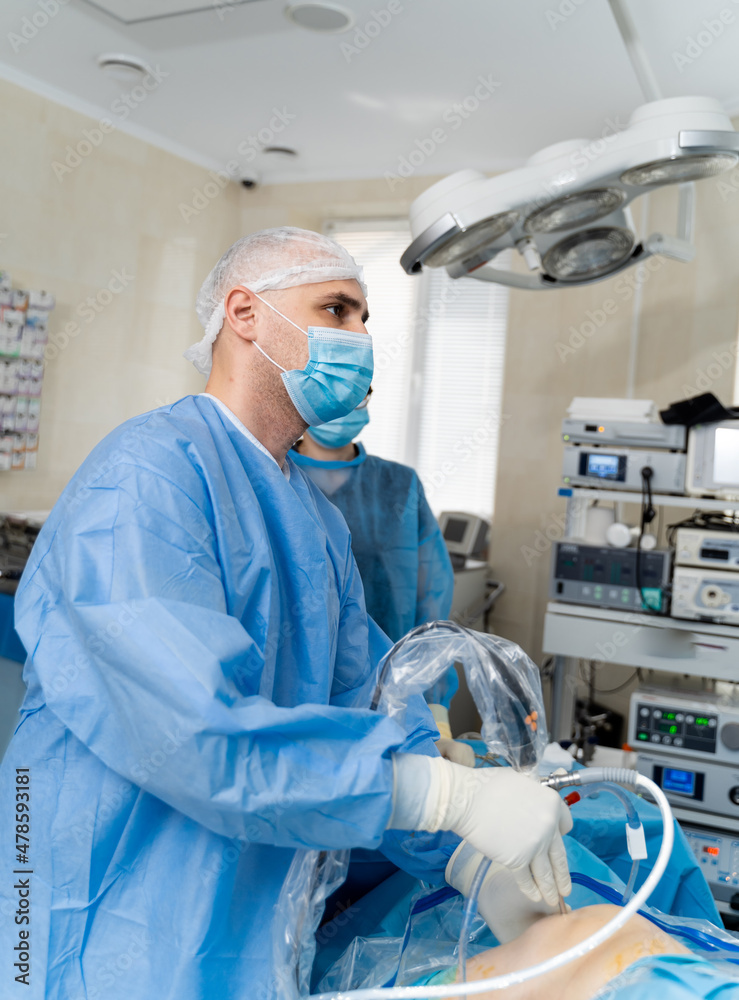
{"type": "Point", "coordinates": [286, 318]}
{"type": "Point", "coordinates": [268, 357]}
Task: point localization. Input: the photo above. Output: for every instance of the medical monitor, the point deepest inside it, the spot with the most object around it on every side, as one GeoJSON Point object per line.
{"type": "Point", "coordinates": [713, 460]}
{"type": "Point", "coordinates": [465, 534]}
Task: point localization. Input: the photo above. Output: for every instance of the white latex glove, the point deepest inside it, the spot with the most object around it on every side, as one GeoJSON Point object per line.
{"type": "Point", "coordinates": [458, 753]}
{"type": "Point", "coordinates": [507, 816]}
{"type": "Point", "coordinates": [500, 902]}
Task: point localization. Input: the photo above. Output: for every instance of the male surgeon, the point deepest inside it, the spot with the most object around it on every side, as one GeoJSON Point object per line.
{"type": "Point", "coordinates": [200, 669]}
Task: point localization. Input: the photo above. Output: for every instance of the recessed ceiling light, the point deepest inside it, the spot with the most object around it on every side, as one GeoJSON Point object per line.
{"type": "Point", "coordinates": [280, 151]}
{"type": "Point", "coordinates": [326, 17]}
{"type": "Point", "coordinates": [123, 68]}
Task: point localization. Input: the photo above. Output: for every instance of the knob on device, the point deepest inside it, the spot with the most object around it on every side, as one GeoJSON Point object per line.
{"type": "Point", "coordinates": [730, 735]}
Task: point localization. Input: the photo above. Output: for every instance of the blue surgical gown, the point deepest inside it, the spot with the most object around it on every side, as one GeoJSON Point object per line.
{"type": "Point", "coordinates": [199, 668]}
{"type": "Point", "coordinates": [401, 554]}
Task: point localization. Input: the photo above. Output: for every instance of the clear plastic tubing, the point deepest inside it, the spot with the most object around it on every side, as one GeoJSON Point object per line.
{"type": "Point", "coordinates": [632, 820]}
{"type": "Point", "coordinates": [470, 906]}
{"type": "Point", "coordinates": [470, 909]}
{"type": "Point", "coordinates": [587, 776]}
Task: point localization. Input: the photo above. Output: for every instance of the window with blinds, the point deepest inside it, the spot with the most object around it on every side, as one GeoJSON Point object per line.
{"type": "Point", "coordinates": [439, 352]}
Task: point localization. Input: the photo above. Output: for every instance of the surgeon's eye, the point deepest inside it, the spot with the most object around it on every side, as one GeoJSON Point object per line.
{"type": "Point", "coordinates": [336, 310]}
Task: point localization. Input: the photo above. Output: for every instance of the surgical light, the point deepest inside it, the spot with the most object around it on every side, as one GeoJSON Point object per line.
{"type": "Point", "coordinates": [588, 254]}
{"type": "Point", "coordinates": [575, 210]}
{"type": "Point", "coordinates": [472, 239]}
{"type": "Point", "coordinates": [464, 221]}
{"type": "Point", "coordinates": [678, 170]}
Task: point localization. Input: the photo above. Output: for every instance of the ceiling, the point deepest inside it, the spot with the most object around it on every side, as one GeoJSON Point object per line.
{"type": "Point", "coordinates": [476, 83]}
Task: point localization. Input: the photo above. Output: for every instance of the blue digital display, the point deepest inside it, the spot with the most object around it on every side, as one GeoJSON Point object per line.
{"type": "Point", "coordinates": [603, 466]}
{"type": "Point", "coordinates": [682, 782]}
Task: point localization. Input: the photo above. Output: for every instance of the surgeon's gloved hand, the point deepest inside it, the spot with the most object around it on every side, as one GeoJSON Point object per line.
{"type": "Point", "coordinates": [507, 816]}
{"type": "Point", "coordinates": [456, 752]}
{"type": "Point", "coordinates": [500, 902]}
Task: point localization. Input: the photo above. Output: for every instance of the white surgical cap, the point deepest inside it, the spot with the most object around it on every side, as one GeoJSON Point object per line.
{"type": "Point", "coordinates": [269, 259]}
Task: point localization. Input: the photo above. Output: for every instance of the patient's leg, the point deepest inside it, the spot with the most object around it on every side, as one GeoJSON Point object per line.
{"type": "Point", "coordinates": [581, 979]}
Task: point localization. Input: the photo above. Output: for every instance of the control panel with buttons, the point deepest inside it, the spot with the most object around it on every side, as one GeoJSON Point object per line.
{"type": "Point", "coordinates": [705, 729]}
{"type": "Point", "coordinates": [717, 853]}
{"type": "Point", "coordinates": [672, 728]}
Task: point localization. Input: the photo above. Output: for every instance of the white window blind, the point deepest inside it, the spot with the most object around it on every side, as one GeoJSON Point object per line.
{"type": "Point", "coordinates": [391, 296]}
{"type": "Point", "coordinates": [459, 410]}
{"type": "Point", "coordinates": [439, 352]}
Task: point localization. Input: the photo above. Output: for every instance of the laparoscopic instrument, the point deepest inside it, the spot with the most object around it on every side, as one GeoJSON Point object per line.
{"type": "Point", "coordinates": [507, 690]}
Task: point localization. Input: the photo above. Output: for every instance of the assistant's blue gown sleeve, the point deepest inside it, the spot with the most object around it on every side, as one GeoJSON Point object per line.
{"type": "Point", "coordinates": [435, 589]}
{"type": "Point", "coordinates": [126, 622]}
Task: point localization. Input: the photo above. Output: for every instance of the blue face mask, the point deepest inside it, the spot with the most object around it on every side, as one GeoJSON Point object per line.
{"type": "Point", "coordinates": [340, 432]}
{"type": "Point", "coordinates": [337, 376]}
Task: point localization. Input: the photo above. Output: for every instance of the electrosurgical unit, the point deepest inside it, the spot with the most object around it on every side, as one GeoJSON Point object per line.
{"type": "Point", "coordinates": [689, 747]}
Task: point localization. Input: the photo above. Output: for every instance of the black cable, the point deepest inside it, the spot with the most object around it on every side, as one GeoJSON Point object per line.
{"type": "Point", "coordinates": [620, 686]}
{"type": "Point", "coordinates": [547, 669]}
{"type": "Point", "coordinates": [712, 520]}
{"type": "Point", "coordinates": [648, 513]}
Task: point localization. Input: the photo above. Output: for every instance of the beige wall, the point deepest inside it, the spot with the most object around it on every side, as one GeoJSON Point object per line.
{"type": "Point", "coordinates": [117, 211]}
{"type": "Point", "coordinates": [120, 210]}
{"type": "Point", "coordinates": [688, 314]}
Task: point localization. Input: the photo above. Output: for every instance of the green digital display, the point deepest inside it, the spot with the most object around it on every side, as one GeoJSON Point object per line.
{"type": "Point", "coordinates": [669, 715]}
{"type": "Point", "coordinates": [701, 722]}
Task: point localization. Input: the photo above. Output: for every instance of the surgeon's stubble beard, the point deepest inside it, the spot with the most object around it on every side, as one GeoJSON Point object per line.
{"type": "Point", "coordinates": [252, 387]}
{"type": "Point", "coordinates": [277, 407]}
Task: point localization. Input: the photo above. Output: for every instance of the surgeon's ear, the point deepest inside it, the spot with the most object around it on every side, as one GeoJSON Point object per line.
{"type": "Point", "coordinates": [241, 312]}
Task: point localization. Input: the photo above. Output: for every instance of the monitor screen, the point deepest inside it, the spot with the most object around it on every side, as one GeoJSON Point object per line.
{"type": "Point", "coordinates": [603, 466]}
{"type": "Point", "coordinates": [675, 780]}
{"type": "Point", "coordinates": [726, 456]}
{"type": "Point", "coordinates": [455, 529]}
